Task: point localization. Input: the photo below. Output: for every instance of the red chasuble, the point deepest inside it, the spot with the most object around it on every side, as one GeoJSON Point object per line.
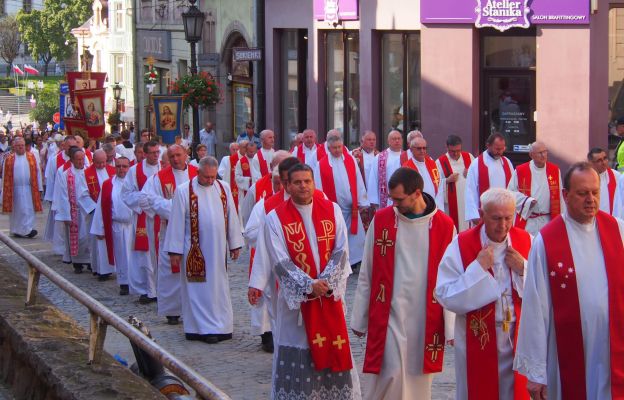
{"type": "Point", "coordinates": [324, 319]}
{"type": "Point", "coordinates": [7, 183]}
{"type": "Point", "coordinates": [451, 188]}
{"type": "Point", "coordinates": [329, 187]}
{"type": "Point", "coordinates": [567, 311]}
{"type": "Point", "coordinates": [107, 218]}
{"type": "Point", "coordinates": [264, 187]}
{"type": "Point", "coordinates": [264, 165]}
{"type": "Point", "coordinates": [233, 186]}
{"type": "Point", "coordinates": [93, 183]}
{"type": "Point", "coordinates": [484, 177]}
{"type": "Point", "coordinates": [611, 188]}
{"type": "Point", "coordinates": [524, 186]}
{"type": "Point", "coordinates": [481, 349]}
{"type": "Point", "coordinates": [432, 170]}
{"type": "Point", "coordinates": [382, 282]}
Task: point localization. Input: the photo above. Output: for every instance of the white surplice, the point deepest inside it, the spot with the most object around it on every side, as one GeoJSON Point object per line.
{"type": "Point", "coordinates": [206, 306]}
{"type": "Point", "coordinates": [310, 155]}
{"type": "Point", "coordinates": [142, 271]}
{"type": "Point", "coordinates": [401, 375]}
{"type": "Point", "coordinates": [255, 163]}
{"type": "Point", "coordinates": [369, 160]}
{"type": "Point", "coordinates": [460, 188]}
{"type": "Point", "coordinates": [496, 175]}
{"type": "Point", "coordinates": [96, 259]}
{"type": "Point", "coordinates": [22, 217]}
{"type": "Point", "coordinates": [292, 355]}
{"type": "Point", "coordinates": [123, 234]}
{"type": "Point", "coordinates": [464, 290]}
{"type": "Point", "coordinates": [393, 163]}
{"type": "Point", "coordinates": [54, 232]}
{"type": "Point", "coordinates": [539, 191]}
{"type": "Point", "coordinates": [167, 283]}
{"type": "Point", "coordinates": [536, 355]}
{"type": "Point", "coordinates": [345, 201]}
{"type": "Point", "coordinates": [605, 201]}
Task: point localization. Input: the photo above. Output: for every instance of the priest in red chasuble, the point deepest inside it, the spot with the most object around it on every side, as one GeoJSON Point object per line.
{"type": "Point", "coordinates": [309, 257]}
{"type": "Point", "coordinates": [394, 304]}
{"type": "Point", "coordinates": [570, 344]}
{"type": "Point", "coordinates": [481, 279]}
{"type": "Point", "coordinates": [203, 229]}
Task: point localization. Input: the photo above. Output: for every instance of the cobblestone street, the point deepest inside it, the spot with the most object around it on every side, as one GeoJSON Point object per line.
{"type": "Point", "coordinates": [239, 366]}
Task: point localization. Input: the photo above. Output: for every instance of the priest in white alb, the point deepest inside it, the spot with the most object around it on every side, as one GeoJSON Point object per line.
{"type": "Point", "coordinates": [227, 171]}
{"type": "Point", "coordinates": [21, 187]}
{"type": "Point", "coordinates": [261, 163]}
{"type": "Point", "coordinates": [113, 227]}
{"type": "Point", "coordinates": [453, 166]}
{"type": "Point", "coordinates": [338, 176]}
{"type": "Point", "coordinates": [490, 170]}
{"type": "Point", "coordinates": [427, 168]}
{"type": "Point", "coordinates": [242, 169]}
{"type": "Point", "coordinates": [382, 169]}
{"type": "Point", "coordinates": [394, 303]}
{"type": "Point", "coordinates": [203, 228]}
{"type": "Point", "coordinates": [537, 187]}
{"type": "Point", "coordinates": [309, 151]}
{"type": "Point", "coordinates": [609, 177]}
{"type": "Point", "coordinates": [570, 344]}
{"type": "Point", "coordinates": [481, 280]}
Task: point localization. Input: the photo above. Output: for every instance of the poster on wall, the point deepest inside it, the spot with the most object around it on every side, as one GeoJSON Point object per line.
{"type": "Point", "coordinates": [91, 103]}
{"type": "Point", "coordinates": [168, 116]}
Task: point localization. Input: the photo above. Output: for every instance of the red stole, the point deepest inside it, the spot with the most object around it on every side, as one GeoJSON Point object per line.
{"type": "Point", "coordinates": [264, 165]}
{"type": "Point", "coordinates": [167, 179]}
{"type": "Point", "coordinates": [233, 186]}
{"type": "Point", "coordinates": [271, 202]}
{"type": "Point", "coordinates": [93, 182]}
{"type": "Point", "coordinates": [141, 240]}
{"type": "Point", "coordinates": [432, 170]}
{"type": "Point", "coordinates": [60, 160]}
{"type": "Point", "coordinates": [7, 183]}
{"type": "Point", "coordinates": [359, 156]}
{"type": "Point", "coordinates": [324, 319]}
{"type": "Point", "coordinates": [264, 187]}
{"type": "Point", "coordinates": [319, 153]}
{"type": "Point", "coordinates": [107, 218]}
{"type": "Point", "coordinates": [566, 308]}
{"type": "Point", "coordinates": [481, 349]}
{"type": "Point", "coordinates": [329, 187]}
{"type": "Point", "coordinates": [89, 156]}
{"type": "Point", "coordinates": [524, 186]}
{"type": "Point", "coordinates": [382, 282]}
{"type": "Point", "coordinates": [484, 177]}
{"type": "Point", "coordinates": [451, 188]}
{"type": "Point", "coordinates": [611, 188]}
{"type": "Point", "coordinates": [245, 166]}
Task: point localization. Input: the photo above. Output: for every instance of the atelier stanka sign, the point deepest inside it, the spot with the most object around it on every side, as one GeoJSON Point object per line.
{"type": "Point", "coordinates": [502, 14]}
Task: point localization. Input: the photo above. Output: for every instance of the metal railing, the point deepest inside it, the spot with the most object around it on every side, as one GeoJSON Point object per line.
{"type": "Point", "coordinates": [101, 317]}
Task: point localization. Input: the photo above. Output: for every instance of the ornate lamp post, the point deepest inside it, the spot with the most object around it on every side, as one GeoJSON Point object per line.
{"type": "Point", "coordinates": [193, 25]}
{"type": "Point", "coordinates": [117, 97]}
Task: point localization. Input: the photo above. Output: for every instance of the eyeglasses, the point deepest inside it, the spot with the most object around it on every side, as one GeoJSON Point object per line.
{"type": "Point", "coordinates": [187, 128]}
{"type": "Point", "coordinates": [420, 148]}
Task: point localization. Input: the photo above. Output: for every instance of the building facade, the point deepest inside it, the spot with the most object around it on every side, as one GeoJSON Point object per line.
{"type": "Point", "coordinates": [436, 66]}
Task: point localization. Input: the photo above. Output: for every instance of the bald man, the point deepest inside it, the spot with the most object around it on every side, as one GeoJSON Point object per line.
{"type": "Point", "coordinates": [382, 169]}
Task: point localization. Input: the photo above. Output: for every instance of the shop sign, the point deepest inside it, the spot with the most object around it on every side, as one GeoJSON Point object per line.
{"type": "Point", "coordinates": [247, 54]}
{"type": "Point", "coordinates": [156, 44]}
{"type": "Point", "coordinates": [500, 13]}
{"type": "Point", "coordinates": [333, 11]}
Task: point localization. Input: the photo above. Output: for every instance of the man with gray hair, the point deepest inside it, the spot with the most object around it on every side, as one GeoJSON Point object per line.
{"type": "Point", "coordinates": [261, 163]}
{"type": "Point", "coordinates": [481, 280]}
{"type": "Point", "coordinates": [537, 187]}
{"type": "Point", "coordinates": [111, 154]}
{"type": "Point", "coordinates": [382, 169]}
{"type": "Point", "coordinates": [309, 151]}
{"type": "Point", "coordinates": [203, 225]}
{"type": "Point", "coordinates": [227, 169]}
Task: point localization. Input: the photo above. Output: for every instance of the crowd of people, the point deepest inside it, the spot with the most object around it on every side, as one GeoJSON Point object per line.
{"type": "Point", "coordinates": [514, 267]}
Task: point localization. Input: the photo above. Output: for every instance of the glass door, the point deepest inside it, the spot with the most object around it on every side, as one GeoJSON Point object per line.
{"type": "Point", "coordinates": [242, 107]}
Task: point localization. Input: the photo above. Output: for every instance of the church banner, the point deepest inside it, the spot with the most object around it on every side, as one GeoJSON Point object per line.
{"type": "Point", "coordinates": [91, 104]}
{"type": "Point", "coordinates": [168, 113]}
{"type": "Point", "coordinates": [75, 126]}
{"type": "Point", "coordinates": [84, 81]}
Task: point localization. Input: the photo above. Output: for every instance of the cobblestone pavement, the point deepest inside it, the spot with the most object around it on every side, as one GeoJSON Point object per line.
{"type": "Point", "coordinates": [239, 366]}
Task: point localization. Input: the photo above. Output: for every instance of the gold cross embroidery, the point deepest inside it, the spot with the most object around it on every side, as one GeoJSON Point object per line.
{"type": "Point", "coordinates": [384, 242]}
{"type": "Point", "coordinates": [435, 347]}
{"type": "Point", "coordinates": [319, 340]}
{"type": "Point", "coordinates": [339, 342]}
{"type": "Point", "coordinates": [381, 297]}
{"type": "Point", "coordinates": [92, 184]}
{"type": "Point", "coordinates": [328, 232]}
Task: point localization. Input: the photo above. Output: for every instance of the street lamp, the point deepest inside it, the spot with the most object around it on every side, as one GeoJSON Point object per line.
{"type": "Point", "coordinates": [193, 25]}
{"type": "Point", "coordinates": [117, 97]}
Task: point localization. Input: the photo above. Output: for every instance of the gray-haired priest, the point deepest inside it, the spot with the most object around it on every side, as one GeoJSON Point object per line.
{"type": "Point", "coordinates": [203, 225]}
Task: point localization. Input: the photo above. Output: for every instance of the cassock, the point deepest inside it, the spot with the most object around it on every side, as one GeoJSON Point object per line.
{"type": "Point", "coordinates": [454, 193]}
{"type": "Point", "coordinates": [294, 374]}
{"type": "Point", "coordinates": [94, 179]}
{"type": "Point", "coordinates": [160, 196]}
{"type": "Point", "coordinates": [498, 176]}
{"type": "Point", "coordinates": [529, 183]}
{"type": "Point", "coordinates": [261, 164]}
{"type": "Point", "coordinates": [486, 300]}
{"type": "Point", "coordinates": [21, 185]}
{"type": "Point", "coordinates": [73, 204]}
{"type": "Point", "coordinates": [608, 189]}
{"type": "Point", "coordinates": [205, 293]}
{"type": "Point", "coordinates": [144, 257]}
{"type": "Point", "coordinates": [428, 169]}
{"type": "Point", "coordinates": [415, 328]}
{"type": "Point", "coordinates": [120, 235]}
{"type": "Point", "coordinates": [342, 182]}
{"type": "Point", "coordinates": [381, 170]}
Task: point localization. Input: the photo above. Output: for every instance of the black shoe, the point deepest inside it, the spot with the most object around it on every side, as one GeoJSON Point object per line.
{"type": "Point", "coordinates": [209, 338]}
{"type": "Point", "coordinates": [224, 336]}
{"type": "Point", "coordinates": [194, 336]}
{"type": "Point", "coordinates": [66, 262]}
{"type": "Point", "coordinates": [88, 266]}
{"type": "Point", "coordinates": [77, 268]}
{"type": "Point", "coordinates": [17, 235]}
{"type": "Point", "coordinates": [173, 319]}
{"type": "Point", "coordinates": [144, 299]}
{"type": "Point", "coordinates": [124, 290]}
{"type": "Point", "coordinates": [267, 342]}
{"type": "Point", "coordinates": [103, 277]}
{"type": "Point", "coordinates": [32, 234]}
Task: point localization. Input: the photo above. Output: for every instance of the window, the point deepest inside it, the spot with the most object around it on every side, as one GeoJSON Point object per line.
{"type": "Point", "coordinates": [293, 81]}
{"type": "Point", "coordinates": [400, 83]}
{"type": "Point", "coordinates": [342, 76]}
{"type": "Point", "coordinates": [118, 68]}
{"type": "Point", "coordinates": [616, 72]}
{"type": "Point", "coordinates": [119, 17]}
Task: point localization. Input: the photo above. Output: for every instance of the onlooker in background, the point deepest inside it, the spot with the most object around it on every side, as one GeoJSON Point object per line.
{"type": "Point", "coordinates": [250, 135]}
{"type": "Point", "coordinates": [125, 148]}
{"type": "Point", "coordinates": [208, 137]}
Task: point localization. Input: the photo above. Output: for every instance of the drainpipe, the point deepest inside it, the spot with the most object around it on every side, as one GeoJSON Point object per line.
{"type": "Point", "coordinates": [259, 72]}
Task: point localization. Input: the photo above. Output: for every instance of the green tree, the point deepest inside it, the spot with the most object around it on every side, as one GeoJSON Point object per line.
{"type": "Point", "coordinates": [48, 32]}
{"type": "Point", "coordinates": [47, 105]}
{"type": "Point", "coordinates": [10, 41]}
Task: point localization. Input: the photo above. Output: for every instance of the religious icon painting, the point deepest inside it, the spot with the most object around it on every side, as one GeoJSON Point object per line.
{"type": "Point", "coordinates": [84, 81]}
{"type": "Point", "coordinates": [76, 126]}
{"type": "Point", "coordinates": [91, 104]}
{"type": "Point", "coordinates": [168, 115]}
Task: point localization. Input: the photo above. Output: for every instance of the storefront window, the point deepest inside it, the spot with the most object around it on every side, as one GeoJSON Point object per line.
{"type": "Point", "coordinates": [343, 84]}
{"type": "Point", "coordinates": [400, 82]}
{"type": "Point", "coordinates": [616, 71]}
{"type": "Point", "coordinates": [293, 60]}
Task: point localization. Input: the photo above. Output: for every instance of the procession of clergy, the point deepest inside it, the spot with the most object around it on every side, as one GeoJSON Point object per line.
{"type": "Point", "coordinates": [449, 251]}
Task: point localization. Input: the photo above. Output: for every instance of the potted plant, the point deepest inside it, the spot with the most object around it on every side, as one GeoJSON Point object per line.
{"type": "Point", "coordinates": [201, 90]}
